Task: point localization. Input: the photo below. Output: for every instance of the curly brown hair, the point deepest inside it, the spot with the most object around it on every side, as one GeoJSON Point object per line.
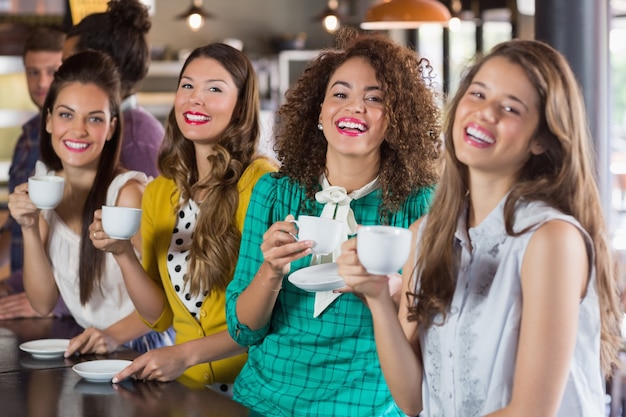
{"type": "Point", "coordinates": [410, 152]}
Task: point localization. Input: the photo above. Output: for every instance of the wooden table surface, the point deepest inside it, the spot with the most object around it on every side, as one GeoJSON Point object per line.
{"type": "Point", "coordinates": [32, 387]}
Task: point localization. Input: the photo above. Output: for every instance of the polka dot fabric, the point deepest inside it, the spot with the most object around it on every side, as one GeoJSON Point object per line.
{"type": "Point", "coordinates": [178, 256]}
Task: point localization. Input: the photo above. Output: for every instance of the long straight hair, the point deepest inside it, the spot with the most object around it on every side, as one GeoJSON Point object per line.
{"type": "Point", "coordinates": [89, 67]}
{"type": "Point", "coordinates": [216, 238]}
{"type": "Point", "coordinates": [562, 177]}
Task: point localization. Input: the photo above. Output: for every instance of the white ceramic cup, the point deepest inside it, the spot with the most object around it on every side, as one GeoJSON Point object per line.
{"type": "Point", "coordinates": [325, 233]}
{"type": "Point", "coordinates": [120, 222]}
{"type": "Point", "coordinates": [46, 191]}
{"type": "Point", "coordinates": [383, 250]}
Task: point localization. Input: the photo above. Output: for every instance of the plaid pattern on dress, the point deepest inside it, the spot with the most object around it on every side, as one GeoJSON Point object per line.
{"type": "Point", "coordinates": [299, 365]}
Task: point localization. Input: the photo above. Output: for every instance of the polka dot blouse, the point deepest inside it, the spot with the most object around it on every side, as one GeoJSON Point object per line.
{"type": "Point", "coordinates": [178, 256]}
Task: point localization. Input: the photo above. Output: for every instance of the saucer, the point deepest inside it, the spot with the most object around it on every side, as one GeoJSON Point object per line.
{"type": "Point", "coordinates": [46, 348]}
{"type": "Point", "coordinates": [100, 370]}
{"type": "Point", "coordinates": [322, 277]}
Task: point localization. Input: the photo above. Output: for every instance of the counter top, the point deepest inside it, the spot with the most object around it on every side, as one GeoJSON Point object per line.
{"type": "Point", "coordinates": [32, 387]}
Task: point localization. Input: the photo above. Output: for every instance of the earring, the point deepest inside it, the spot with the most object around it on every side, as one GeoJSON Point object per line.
{"type": "Point", "coordinates": [320, 126]}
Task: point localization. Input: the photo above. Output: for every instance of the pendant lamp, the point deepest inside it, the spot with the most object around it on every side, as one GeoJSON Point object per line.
{"type": "Point", "coordinates": [405, 14]}
{"type": "Point", "coordinates": [195, 15]}
{"type": "Point", "coordinates": [330, 17]}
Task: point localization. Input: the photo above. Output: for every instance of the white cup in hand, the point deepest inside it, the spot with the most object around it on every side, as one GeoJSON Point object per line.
{"type": "Point", "coordinates": [120, 222]}
{"type": "Point", "coordinates": [383, 250]}
{"type": "Point", "coordinates": [325, 233]}
{"type": "Point", "coordinates": [46, 191]}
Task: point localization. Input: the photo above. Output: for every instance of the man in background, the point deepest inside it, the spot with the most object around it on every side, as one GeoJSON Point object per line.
{"type": "Point", "coordinates": [43, 50]}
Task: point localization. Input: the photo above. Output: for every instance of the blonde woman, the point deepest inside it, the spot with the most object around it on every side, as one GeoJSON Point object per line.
{"type": "Point", "coordinates": [192, 220]}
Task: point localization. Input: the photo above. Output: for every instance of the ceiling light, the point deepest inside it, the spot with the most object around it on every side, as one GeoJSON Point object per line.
{"type": "Point", "coordinates": [195, 15]}
{"type": "Point", "coordinates": [330, 17]}
{"type": "Point", "coordinates": [405, 14]}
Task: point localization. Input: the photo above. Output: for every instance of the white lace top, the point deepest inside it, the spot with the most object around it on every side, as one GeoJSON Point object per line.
{"type": "Point", "coordinates": [469, 361]}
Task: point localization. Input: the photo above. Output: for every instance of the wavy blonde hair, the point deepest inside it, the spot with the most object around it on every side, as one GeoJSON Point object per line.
{"type": "Point", "coordinates": [216, 238]}
{"type": "Point", "coordinates": [562, 176]}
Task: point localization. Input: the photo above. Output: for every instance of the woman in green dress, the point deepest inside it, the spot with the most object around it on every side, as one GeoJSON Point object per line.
{"type": "Point", "coordinates": [358, 139]}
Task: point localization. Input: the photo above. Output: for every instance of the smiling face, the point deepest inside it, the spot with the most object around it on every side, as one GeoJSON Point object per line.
{"type": "Point", "coordinates": [80, 123]}
{"type": "Point", "coordinates": [353, 113]}
{"type": "Point", "coordinates": [40, 67]}
{"type": "Point", "coordinates": [205, 101]}
{"type": "Point", "coordinates": [496, 119]}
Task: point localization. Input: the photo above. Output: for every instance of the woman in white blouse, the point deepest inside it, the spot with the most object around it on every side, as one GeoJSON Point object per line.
{"type": "Point", "coordinates": [80, 142]}
{"type": "Point", "coordinates": [511, 265]}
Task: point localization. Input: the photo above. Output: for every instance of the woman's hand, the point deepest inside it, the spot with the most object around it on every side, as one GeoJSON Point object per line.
{"type": "Point", "coordinates": [22, 208]}
{"type": "Point", "coordinates": [280, 247]}
{"type": "Point", "coordinates": [162, 364]}
{"type": "Point", "coordinates": [102, 241]}
{"type": "Point", "coordinates": [91, 340]}
{"type": "Point", "coordinates": [359, 280]}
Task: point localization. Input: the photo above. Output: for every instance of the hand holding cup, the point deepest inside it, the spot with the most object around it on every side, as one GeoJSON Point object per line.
{"type": "Point", "coordinates": [120, 222]}
{"type": "Point", "coordinates": [325, 233]}
{"type": "Point", "coordinates": [383, 250]}
{"type": "Point", "coordinates": [46, 191]}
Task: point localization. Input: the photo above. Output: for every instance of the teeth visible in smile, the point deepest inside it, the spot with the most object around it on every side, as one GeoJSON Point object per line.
{"type": "Point", "coordinates": [479, 135]}
{"type": "Point", "coordinates": [197, 118]}
{"type": "Point", "coordinates": [351, 125]}
{"type": "Point", "coordinates": [76, 145]}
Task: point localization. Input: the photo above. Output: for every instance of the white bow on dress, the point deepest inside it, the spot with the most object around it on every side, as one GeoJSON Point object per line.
{"type": "Point", "coordinates": [337, 206]}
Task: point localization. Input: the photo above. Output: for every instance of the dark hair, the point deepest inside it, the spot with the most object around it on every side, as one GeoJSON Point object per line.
{"type": "Point", "coordinates": [410, 152]}
{"type": "Point", "coordinates": [44, 39]}
{"type": "Point", "coordinates": [88, 67]}
{"type": "Point", "coordinates": [215, 244]}
{"type": "Point", "coordinates": [119, 32]}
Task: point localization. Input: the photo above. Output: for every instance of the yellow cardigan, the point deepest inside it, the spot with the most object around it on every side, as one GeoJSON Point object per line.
{"type": "Point", "coordinates": [157, 225]}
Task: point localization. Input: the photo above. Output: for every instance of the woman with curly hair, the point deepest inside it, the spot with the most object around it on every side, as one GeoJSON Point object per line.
{"type": "Point", "coordinates": [513, 306]}
{"type": "Point", "coordinates": [192, 220]}
{"type": "Point", "coordinates": [358, 138]}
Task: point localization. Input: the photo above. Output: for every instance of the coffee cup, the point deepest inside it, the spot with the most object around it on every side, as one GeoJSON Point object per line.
{"type": "Point", "coordinates": [325, 233]}
{"type": "Point", "coordinates": [46, 191]}
{"type": "Point", "coordinates": [383, 250]}
{"type": "Point", "coordinates": [120, 222]}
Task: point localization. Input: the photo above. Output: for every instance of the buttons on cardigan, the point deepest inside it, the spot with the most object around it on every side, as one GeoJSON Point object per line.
{"type": "Point", "coordinates": [206, 377]}
{"type": "Point", "coordinates": [202, 313]}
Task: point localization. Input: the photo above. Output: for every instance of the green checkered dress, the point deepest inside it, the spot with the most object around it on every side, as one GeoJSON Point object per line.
{"type": "Point", "coordinates": [299, 365]}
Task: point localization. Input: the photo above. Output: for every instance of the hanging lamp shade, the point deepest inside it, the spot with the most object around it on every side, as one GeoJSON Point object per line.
{"type": "Point", "coordinates": [404, 14]}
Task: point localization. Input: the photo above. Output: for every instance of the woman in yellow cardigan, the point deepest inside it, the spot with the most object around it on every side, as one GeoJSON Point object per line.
{"type": "Point", "coordinates": [192, 220]}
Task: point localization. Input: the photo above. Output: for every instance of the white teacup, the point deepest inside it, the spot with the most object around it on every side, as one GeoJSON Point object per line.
{"type": "Point", "coordinates": [46, 191]}
{"type": "Point", "coordinates": [383, 250]}
{"type": "Point", "coordinates": [120, 222]}
{"type": "Point", "coordinates": [325, 233]}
